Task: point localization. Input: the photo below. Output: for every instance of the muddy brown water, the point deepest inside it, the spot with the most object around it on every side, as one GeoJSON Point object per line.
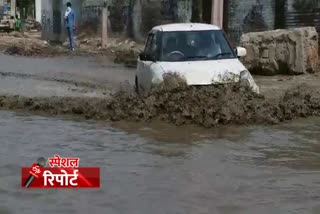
{"type": "Point", "coordinates": [160, 169]}
{"type": "Point", "coordinates": [156, 167]}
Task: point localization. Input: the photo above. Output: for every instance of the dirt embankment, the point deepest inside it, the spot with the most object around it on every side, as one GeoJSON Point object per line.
{"type": "Point", "coordinates": [29, 44]}
{"type": "Point", "coordinates": [123, 50]}
{"type": "Point", "coordinates": [175, 102]}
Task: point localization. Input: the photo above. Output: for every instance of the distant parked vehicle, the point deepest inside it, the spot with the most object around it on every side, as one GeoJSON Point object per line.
{"type": "Point", "coordinates": [4, 23]}
{"type": "Point", "coordinates": [200, 53]}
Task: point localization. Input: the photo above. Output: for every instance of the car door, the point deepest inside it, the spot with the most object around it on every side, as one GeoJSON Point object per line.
{"type": "Point", "coordinates": [144, 67]}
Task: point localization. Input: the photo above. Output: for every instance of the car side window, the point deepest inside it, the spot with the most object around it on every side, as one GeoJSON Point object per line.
{"type": "Point", "coordinates": [151, 45]}
{"type": "Point", "coordinates": [148, 43]}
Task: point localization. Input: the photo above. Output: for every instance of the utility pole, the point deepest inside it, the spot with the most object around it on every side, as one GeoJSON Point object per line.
{"type": "Point", "coordinates": [217, 13]}
{"type": "Point", "coordinates": [104, 23]}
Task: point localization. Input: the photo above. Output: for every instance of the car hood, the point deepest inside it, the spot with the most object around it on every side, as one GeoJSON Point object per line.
{"type": "Point", "coordinates": [206, 72]}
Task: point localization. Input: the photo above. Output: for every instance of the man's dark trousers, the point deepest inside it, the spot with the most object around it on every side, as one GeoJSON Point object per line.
{"type": "Point", "coordinates": [71, 37]}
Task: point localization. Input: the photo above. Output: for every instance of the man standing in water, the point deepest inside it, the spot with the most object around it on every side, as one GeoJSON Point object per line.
{"type": "Point", "coordinates": [70, 23]}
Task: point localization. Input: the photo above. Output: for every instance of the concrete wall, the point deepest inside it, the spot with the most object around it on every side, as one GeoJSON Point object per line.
{"type": "Point", "coordinates": [184, 11]}
{"type": "Point", "coordinates": [91, 15]}
{"type": "Point", "coordinates": [91, 11]}
{"type": "Point", "coordinates": [250, 16]}
{"type": "Point", "coordinates": [148, 14]}
{"type": "Point", "coordinates": [290, 5]}
{"type": "Point", "coordinates": [52, 20]}
{"type": "Point", "coordinates": [136, 17]}
{"type": "Point", "coordinates": [47, 20]}
{"type": "Point", "coordinates": [301, 5]}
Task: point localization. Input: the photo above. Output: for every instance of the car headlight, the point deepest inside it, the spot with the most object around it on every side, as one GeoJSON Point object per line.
{"type": "Point", "coordinates": [246, 79]}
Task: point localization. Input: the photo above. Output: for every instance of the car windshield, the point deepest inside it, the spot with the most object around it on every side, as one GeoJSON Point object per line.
{"type": "Point", "coordinates": [195, 45]}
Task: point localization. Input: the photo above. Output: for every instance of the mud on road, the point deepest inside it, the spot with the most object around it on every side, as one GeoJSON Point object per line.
{"type": "Point", "coordinates": [82, 86]}
{"type": "Point", "coordinates": [175, 102]}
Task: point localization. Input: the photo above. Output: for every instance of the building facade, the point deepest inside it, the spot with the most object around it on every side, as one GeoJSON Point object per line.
{"type": "Point", "coordinates": [7, 8]}
{"type": "Point", "coordinates": [135, 18]}
{"type": "Point", "coordinates": [22, 8]}
{"type": "Point", "coordinates": [249, 16]}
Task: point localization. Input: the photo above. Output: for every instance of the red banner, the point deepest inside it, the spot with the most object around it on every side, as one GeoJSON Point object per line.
{"type": "Point", "coordinates": [82, 177]}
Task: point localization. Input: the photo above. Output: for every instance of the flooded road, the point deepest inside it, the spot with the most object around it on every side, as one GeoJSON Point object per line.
{"type": "Point", "coordinates": [71, 76]}
{"type": "Point", "coordinates": [163, 169]}
{"type": "Point", "coordinates": [151, 168]}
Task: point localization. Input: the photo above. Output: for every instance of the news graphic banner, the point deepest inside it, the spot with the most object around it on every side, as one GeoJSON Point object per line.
{"type": "Point", "coordinates": [61, 173]}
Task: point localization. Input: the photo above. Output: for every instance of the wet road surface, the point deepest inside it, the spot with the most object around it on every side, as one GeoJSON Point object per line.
{"type": "Point", "coordinates": [144, 170]}
{"type": "Point", "coordinates": [98, 76]}
{"type": "Point", "coordinates": [61, 76]}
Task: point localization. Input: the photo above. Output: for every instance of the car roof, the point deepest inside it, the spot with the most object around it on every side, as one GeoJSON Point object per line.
{"type": "Point", "coordinates": [185, 27]}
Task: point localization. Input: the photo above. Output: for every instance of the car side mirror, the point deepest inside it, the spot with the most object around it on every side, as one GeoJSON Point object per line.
{"type": "Point", "coordinates": [241, 52]}
{"type": "Point", "coordinates": [146, 57]}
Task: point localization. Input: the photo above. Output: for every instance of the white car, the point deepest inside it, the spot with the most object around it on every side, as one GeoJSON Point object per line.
{"type": "Point", "coordinates": [200, 53]}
